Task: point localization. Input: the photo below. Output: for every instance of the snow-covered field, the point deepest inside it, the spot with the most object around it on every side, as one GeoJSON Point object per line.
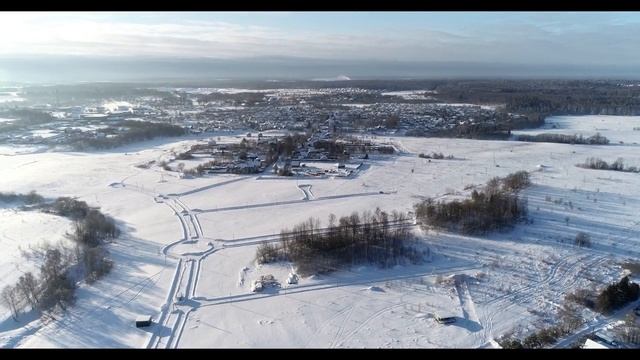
{"type": "Point", "coordinates": [486, 107]}
{"type": "Point", "coordinates": [197, 238]}
{"type": "Point", "coordinates": [11, 96]}
{"type": "Point", "coordinates": [618, 129]}
{"type": "Point", "coordinates": [43, 133]}
{"type": "Point", "coordinates": [21, 232]}
{"type": "Point", "coordinates": [412, 94]}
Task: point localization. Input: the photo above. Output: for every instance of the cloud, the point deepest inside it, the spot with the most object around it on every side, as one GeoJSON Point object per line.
{"type": "Point", "coordinates": [541, 38]}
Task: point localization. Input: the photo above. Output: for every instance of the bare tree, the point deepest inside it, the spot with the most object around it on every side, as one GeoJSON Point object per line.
{"type": "Point", "coordinates": [11, 298]}
{"type": "Point", "coordinates": [53, 266]}
{"type": "Point", "coordinates": [569, 317]}
{"type": "Point", "coordinates": [28, 287]}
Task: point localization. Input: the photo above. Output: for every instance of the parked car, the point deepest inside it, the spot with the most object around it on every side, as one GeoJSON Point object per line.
{"type": "Point", "coordinates": [257, 286]}
{"type": "Point", "coordinates": [292, 279]}
{"type": "Point", "coordinates": [445, 319]}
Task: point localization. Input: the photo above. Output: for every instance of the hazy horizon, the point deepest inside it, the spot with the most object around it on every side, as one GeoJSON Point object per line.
{"type": "Point", "coordinates": [73, 69]}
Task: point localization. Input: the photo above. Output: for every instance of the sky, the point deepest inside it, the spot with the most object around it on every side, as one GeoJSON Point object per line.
{"type": "Point", "coordinates": [539, 38]}
{"type": "Point", "coordinates": [512, 37]}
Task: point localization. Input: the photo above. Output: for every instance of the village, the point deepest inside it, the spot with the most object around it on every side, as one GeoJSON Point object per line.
{"type": "Point", "coordinates": [319, 155]}
{"type": "Point", "coordinates": [201, 112]}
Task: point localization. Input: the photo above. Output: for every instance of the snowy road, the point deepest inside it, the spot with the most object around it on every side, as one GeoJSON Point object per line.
{"type": "Point", "coordinates": [182, 298]}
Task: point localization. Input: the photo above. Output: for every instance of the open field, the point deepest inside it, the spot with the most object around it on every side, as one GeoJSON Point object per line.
{"type": "Point", "coordinates": [197, 238]}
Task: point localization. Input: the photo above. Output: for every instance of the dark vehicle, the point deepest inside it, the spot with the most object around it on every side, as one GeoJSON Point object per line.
{"type": "Point", "coordinates": [445, 319]}
{"type": "Point", "coordinates": [143, 321]}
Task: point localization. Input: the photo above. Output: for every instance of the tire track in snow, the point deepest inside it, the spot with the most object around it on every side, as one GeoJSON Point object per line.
{"type": "Point", "coordinates": [341, 328]}
{"type": "Point", "coordinates": [370, 318]}
{"type": "Point", "coordinates": [550, 275]}
{"type": "Point", "coordinates": [489, 315]}
{"type": "Point", "coordinates": [325, 324]}
{"type": "Point", "coordinates": [553, 278]}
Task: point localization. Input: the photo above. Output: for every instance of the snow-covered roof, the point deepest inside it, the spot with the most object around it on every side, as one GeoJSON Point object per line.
{"type": "Point", "coordinates": [143, 318]}
{"type": "Point", "coordinates": [590, 344]}
{"type": "Point", "coordinates": [491, 344]}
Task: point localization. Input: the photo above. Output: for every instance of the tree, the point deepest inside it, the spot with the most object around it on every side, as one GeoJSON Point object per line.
{"type": "Point", "coordinates": [58, 291]}
{"type": "Point", "coordinates": [569, 317]}
{"type": "Point", "coordinates": [617, 165]}
{"type": "Point", "coordinates": [511, 344]}
{"type": "Point", "coordinates": [52, 267]}
{"type": "Point", "coordinates": [392, 122]}
{"type": "Point", "coordinates": [11, 298]}
{"type": "Point", "coordinates": [57, 287]}
{"type": "Point", "coordinates": [583, 239]}
{"type": "Point", "coordinates": [28, 287]}
{"type": "Point", "coordinates": [96, 262]}
{"type": "Point", "coordinates": [617, 295]}
{"type": "Point", "coordinates": [267, 253]}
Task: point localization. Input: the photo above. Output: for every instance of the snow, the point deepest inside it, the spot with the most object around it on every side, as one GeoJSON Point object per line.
{"type": "Point", "coordinates": [113, 106]}
{"type": "Point", "coordinates": [337, 78]}
{"type": "Point", "coordinates": [13, 150]}
{"type": "Point", "coordinates": [44, 133]}
{"type": "Point", "coordinates": [412, 94]}
{"type": "Point", "coordinates": [485, 107]}
{"type": "Point", "coordinates": [89, 127]}
{"type": "Point", "coordinates": [24, 231]}
{"type": "Point", "coordinates": [6, 97]}
{"type": "Point", "coordinates": [357, 105]}
{"type": "Point", "coordinates": [615, 128]}
{"type": "Point", "coordinates": [206, 91]}
{"type": "Point", "coordinates": [590, 344]}
{"type": "Point", "coordinates": [200, 241]}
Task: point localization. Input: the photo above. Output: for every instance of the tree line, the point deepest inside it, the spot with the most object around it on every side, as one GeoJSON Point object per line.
{"type": "Point", "coordinates": [24, 118]}
{"type": "Point", "coordinates": [599, 164]}
{"type": "Point", "coordinates": [497, 127]}
{"type": "Point", "coordinates": [617, 295]}
{"type": "Point", "coordinates": [611, 298]}
{"type": "Point", "coordinates": [369, 237]}
{"type": "Point", "coordinates": [55, 284]}
{"type": "Point", "coordinates": [435, 155]}
{"type": "Point", "coordinates": [569, 321]}
{"type": "Point", "coordinates": [547, 97]}
{"type": "Point", "coordinates": [495, 206]}
{"type": "Point", "coordinates": [29, 199]}
{"type": "Point", "coordinates": [135, 131]}
{"type": "Point", "coordinates": [596, 139]}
